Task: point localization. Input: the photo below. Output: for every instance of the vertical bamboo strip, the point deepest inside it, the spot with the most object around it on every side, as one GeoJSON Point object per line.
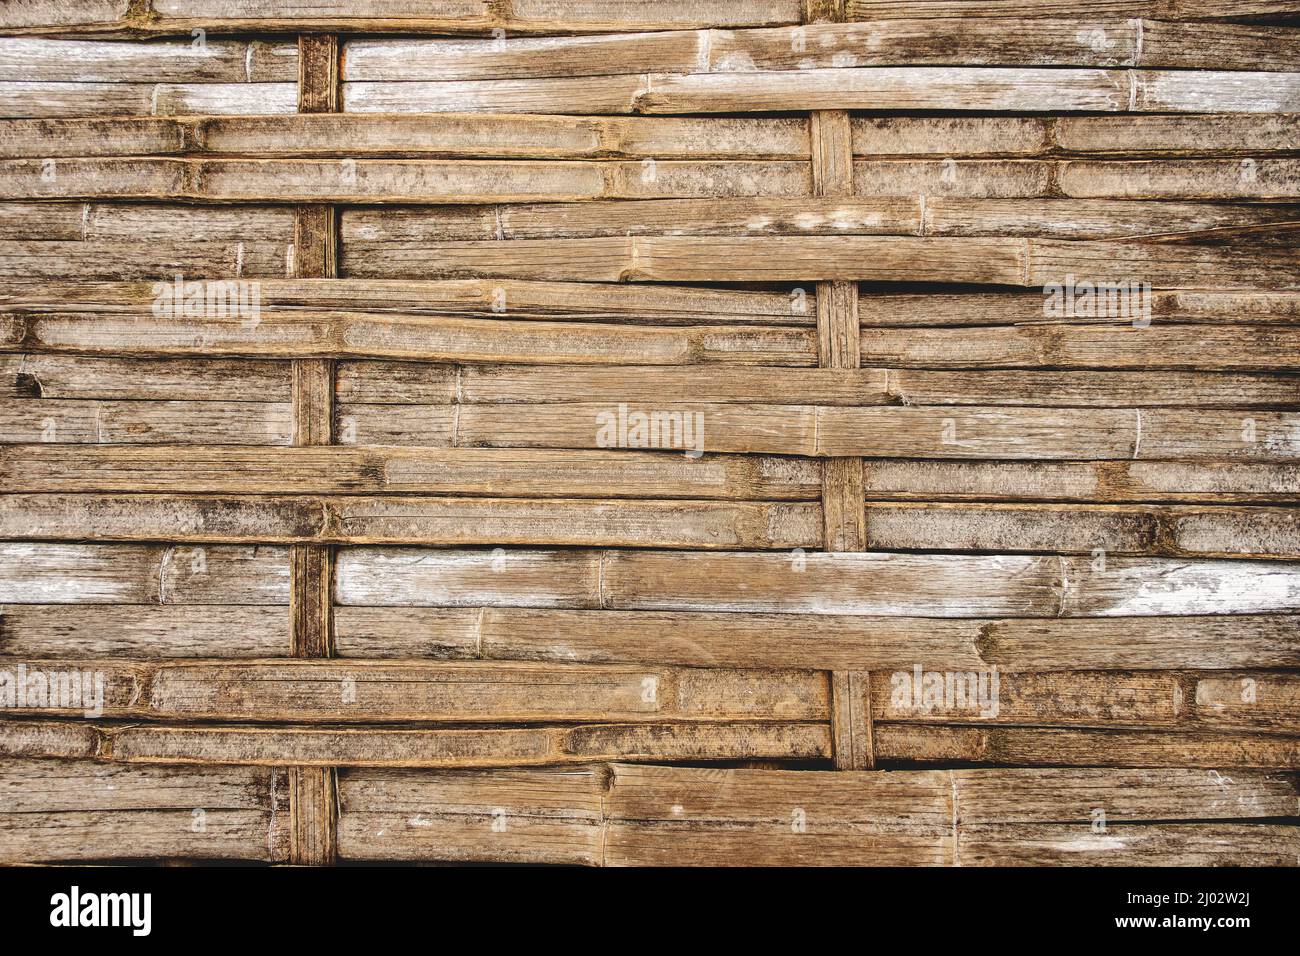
{"type": "Point", "coordinates": [312, 792]}
{"type": "Point", "coordinates": [843, 495]}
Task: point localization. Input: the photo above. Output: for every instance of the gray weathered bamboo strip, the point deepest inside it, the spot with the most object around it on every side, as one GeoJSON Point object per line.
{"type": "Point", "coordinates": [507, 136]}
{"type": "Point", "coordinates": [141, 258]}
{"type": "Point", "coordinates": [868, 583]}
{"type": "Point", "coordinates": [521, 181]}
{"type": "Point", "coordinates": [77, 421]}
{"type": "Point", "coordinates": [475, 17]}
{"type": "Point", "coordinates": [61, 222]}
{"type": "Point", "coordinates": [60, 100]}
{"type": "Point", "coordinates": [527, 136]}
{"type": "Point", "coordinates": [1171, 530]}
{"type": "Point", "coordinates": [949, 88]}
{"type": "Point", "coordinates": [900, 216]}
{"type": "Point", "coordinates": [967, 42]}
{"type": "Point", "coordinates": [322, 746]}
{"type": "Point", "coordinates": [862, 643]}
{"type": "Point", "coordinates": [100, 61]}
{"type": "Point", "coordinates": [375, 470]}
{"type": "Point", "coordinates": [42, 573]}
{"type": "Point", "coordinates": [1116, 481]}
{"type": "Point", "coordinates": [303, 521]}
{"type": "Point", "coordinates": [1194, 306]}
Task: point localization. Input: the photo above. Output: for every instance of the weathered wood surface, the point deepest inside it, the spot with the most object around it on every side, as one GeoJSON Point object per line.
{"type": "Point", "coordinates": [435, 521]}
{"type": "Point", "coordinates": [871, 583]}
{"type": "Point", "coordinates": [364, 577]}
{"type": "Point", "coordinates": [1002, 42]}
{"type": "Point", "coordinates": [66, 811]}
{"type": "Point", "coordinates": [634, 815]}
{"type": "Point", "coordinates": [790, 640]}
{"type": "Point", "coordinates": [474, 17]}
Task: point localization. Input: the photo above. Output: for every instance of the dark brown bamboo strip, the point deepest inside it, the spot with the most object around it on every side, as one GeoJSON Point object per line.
{"type": "Point", "coordinates": [312, 791]}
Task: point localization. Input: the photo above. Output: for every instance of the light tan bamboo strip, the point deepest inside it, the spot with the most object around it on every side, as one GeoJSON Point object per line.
{"type": "Point", "coordinates": [868, 583]}
{"type": "Point", "coordinates": [409, 747]}
{"type": "Point", "coordinates": [628, 814]}
{"type": "Point", "coordinates": [938, 432]}
{"type": "Point", "coordinates": [76, 421]}
{"type": "Point", "coordinates": [475, 17]}
{"type": "Point", "coordinates": [73, 377]}
{"type": "Point", "coordinates": [862, 643]}
{"type": "Point", "coordinates": [141, 630]}
{"type": "Point", "coordinates": [347, 470]}
{"type": "Point", "coordinates": [515, 300]}
{"type": "Point", "coordinates": [171, 61]}
{"type": "Point", "coordinates": [1178, 9]}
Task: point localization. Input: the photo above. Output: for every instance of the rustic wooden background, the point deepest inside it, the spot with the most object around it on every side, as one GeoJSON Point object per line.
{"type": "Point", "coordinates": [360, 579]}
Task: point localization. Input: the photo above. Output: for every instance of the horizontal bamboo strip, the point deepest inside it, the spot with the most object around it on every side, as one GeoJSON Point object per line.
{"type": "Point", "coordinates": [437, 16]}
{"type": "Point", "coordinates": [507, 136]}
{"type": "Point", "coordinates": [408, 747]}
{"type": "Point", "coordinates": [402, 180]}
{"type": "Point", "coordinates": [142, 630]}
{"type": "Point", "coordinates": [141, 258]}
{"type": "Point", "coordinates": [800, 640]}
{"type": "Point", "coordinates": [1193, 306]}
{"type": "Point", "coordinates": [1099, 530]}
{"type": "Point", "coordinates": [432, 521]}
{"type": "Point", "coordinates": [1209, 482]}
{"type": "Point", "coordinates": [870, 583]}
{"type": "Point", "coordinates": [1110, 346]}
{"type": "Point", "coordinates": [347, 470]}
{"type": "Point", "coordinates": [1050, 746]}
{"type": "Point", "coordinates": [861, 88]}
{"type": "Point", "coordinates": [64, 811]}
{"type": "Point", "coordinates": [638, 815]}
{"type": "Point", "coordinates": [101, 61]}
{"type": "Point", "coordinates": [899, 216]}
{"type": "Point", "coordinates": [292, 333]}
{"type": "Point", "coordinates": [955, 432]}
{"type": "Point", "coordinates": [981, 261]}
{"type": "Point", "coordinates": [42, 99]}
{"type": "Point", "coordinates": [142, 574]}
{"type": "Point", "coordinates": [1182, 9]}
{"type": "Point", "coordinates": [554, 301]}
{"type": "Point", "coordinates": [969, 42]}
{"type": "Point", "coordinates": [117, 379]}
{"type": "Point", "coordinates": [170, 224]}
{"type": "Point", "coordinates": [304, 690]}
{"type": "Point", "coordinates": [78, 421]}
{"type": "Point", "coordinates": [524, 136]}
